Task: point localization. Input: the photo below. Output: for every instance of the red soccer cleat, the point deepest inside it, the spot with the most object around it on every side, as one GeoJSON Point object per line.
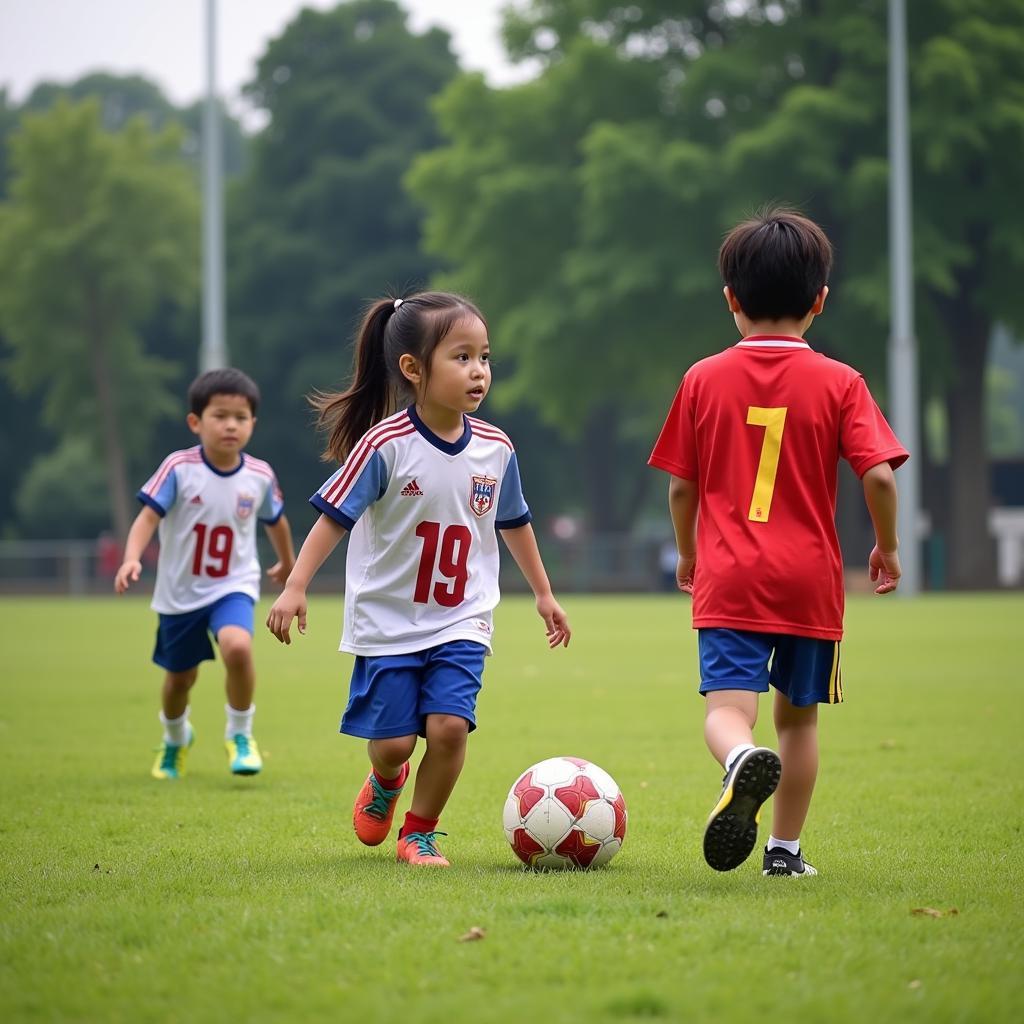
{"type": "Point", "coordinates": [420, 850]}
{"type": "Point", "coordinates": [375, 809]}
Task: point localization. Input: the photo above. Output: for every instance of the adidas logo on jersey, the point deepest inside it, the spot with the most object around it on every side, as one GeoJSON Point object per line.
{"type": "Point", "coordinates": [412, 490]}
{"type": "Point", "coordinates": [196, 500]}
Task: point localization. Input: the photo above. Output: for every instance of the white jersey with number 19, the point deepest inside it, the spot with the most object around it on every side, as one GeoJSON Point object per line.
{"type": "Point", "coordinates": [422, 565]}
{"type": "Point", "coordinates": [208, 528]}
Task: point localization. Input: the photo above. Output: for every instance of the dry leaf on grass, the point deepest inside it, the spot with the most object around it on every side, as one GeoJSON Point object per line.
{"type": "Point", "coordinates": [475, 933]}
{"type": "Point", "coordinates": [932, 912]}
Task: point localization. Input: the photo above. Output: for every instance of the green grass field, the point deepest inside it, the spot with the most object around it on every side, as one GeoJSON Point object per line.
{"type": "Point", "coordinates": [217, 898]}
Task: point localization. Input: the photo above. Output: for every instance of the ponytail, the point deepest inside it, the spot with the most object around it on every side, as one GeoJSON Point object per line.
{"type": "Point", "coordinates": [390, 329]}
{"type": "Point", "coordinates": [345, 416]}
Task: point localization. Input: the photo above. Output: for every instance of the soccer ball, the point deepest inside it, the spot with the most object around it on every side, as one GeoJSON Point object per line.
{"type": "Point", "coordinates": [565, 813]}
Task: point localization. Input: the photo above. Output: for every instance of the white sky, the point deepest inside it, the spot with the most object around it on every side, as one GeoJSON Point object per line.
{"type": "Point", "coordinates": [60, 40]}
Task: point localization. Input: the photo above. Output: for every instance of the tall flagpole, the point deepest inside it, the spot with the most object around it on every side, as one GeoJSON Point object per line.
{"type": "Point", "coordinates": [213, 352]}
{"type": "Point", "coordinates": [903, 399]}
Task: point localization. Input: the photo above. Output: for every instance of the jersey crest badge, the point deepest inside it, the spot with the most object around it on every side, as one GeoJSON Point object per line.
{"type": "Point", "coordinates": [246, 503]}
{"type": "Point", "coordinates": [481, 497]}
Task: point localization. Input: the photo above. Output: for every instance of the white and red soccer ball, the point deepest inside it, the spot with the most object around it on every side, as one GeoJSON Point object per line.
{"type": "Point", "coordinates": [565, 813]}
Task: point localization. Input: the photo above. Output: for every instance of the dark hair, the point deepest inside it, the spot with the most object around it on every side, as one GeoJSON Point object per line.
{"type": "Point", "coordinates": [776, 263]}
{"type": "Point", "coordinates": [416, 326]}
{"type": "Point", "coordinates": [227, 381]}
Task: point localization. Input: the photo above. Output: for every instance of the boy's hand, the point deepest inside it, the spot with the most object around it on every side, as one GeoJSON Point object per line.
{"type": "Point", "coordinates": [684, 573]}
{"type": "Point", "coordinates": [555, 622]}
{"type": "Point", "coordinates": [127, 575]}
{"type": "Point", "coordinates": [884, 567]}
{"type": "Point", "coordinates": [279, 573]}
{"type": "Point", "coordinates": [290, 604]}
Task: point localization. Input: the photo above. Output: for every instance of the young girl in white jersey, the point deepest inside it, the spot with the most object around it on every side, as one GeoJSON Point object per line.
{"type": "Point", "coordinates": [423, 491]}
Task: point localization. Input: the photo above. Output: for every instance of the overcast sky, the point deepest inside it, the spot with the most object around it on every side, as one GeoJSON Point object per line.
{"type": "Point", "coordinates": [59, 40]}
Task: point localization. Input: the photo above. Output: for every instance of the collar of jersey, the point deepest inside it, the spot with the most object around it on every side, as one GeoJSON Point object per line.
{"type": "Point", "coordinates": [448, 447]}
{"type": "Point", "coordinates": [223, 472]}
{"type": "Point", "coordinates": [771, 341]}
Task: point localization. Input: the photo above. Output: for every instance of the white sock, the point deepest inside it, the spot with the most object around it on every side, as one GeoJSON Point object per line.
{"type": "Point", "coordinates": [789, 845]}
{"type": "Point", "coordinates": [740, 748]}
{"type": "Point", "coordinates": [239, 721]}
{"type": "Point", "coordinates": [175, 729]}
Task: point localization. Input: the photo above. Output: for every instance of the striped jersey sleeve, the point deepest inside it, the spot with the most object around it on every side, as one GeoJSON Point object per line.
{"type": "Point", "coordinates": [272, 506]}
{"type": "Point", "coordinates": [161, 489]}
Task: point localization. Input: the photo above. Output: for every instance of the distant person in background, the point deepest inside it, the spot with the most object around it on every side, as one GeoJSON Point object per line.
{"type": "Point", "coordinates": [423, 492]}
{"type": "Point", "coordinates": [753, 441]}
{"type": "Point", "coordinates": [206, 501]}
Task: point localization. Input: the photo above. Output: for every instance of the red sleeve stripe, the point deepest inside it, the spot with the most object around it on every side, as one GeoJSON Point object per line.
{"type": "Point", "coordinates": [489, 431]}
{"type": "Point", "coordinates": [176, 459]}
{"type": "Point", "coordinates": [361, 454]}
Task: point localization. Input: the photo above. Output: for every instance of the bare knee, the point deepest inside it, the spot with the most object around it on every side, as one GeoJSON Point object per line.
{"type": "Point", "coordinates": [181, 682]}
{"type": "Point", "coordinates": [742, 703]}
{"type": "Point", "coordinates": [235, 647]}
{"type": "Point", "coordinates": [393, 751]}
{"type": "Point", "coordinates": [788, 716]}
{"type": "Point", "coordinates": [447, 733]}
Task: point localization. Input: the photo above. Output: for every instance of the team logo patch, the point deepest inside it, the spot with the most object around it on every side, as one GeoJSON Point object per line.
{"type": "Point", "coordinates": [246, 503]}
{"type": "Point", "coordinates": [481, 497]}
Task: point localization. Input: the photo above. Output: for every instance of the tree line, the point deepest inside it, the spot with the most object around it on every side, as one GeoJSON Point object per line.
{"type": "Point", "coordinates": [581, 209]}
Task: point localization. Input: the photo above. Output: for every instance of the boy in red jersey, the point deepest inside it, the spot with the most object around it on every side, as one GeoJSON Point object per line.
{"type": "Point", "coordinates": [753, 441]}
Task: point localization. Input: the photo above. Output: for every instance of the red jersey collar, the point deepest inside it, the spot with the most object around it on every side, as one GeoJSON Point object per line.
{"type": "Point", "coordinates": [772, 341]}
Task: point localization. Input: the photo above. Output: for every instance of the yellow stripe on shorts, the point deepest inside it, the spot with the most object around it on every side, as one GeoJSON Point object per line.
{"type": "Point", "coordinates": [835, 682]}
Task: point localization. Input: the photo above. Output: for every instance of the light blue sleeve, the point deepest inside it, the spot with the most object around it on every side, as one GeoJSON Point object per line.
{"type": "Point", "coordinates": [273, 504]}
{"type": "Point", "coordinates": [161, 498]}
{"type": "Point", "coordinates": [345, 497]}
{"type": "Point", "coordinates": [512, 508]}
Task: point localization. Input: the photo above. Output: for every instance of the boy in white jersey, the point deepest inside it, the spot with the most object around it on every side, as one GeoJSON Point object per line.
{"type": "Point", "coordinates": [206, 501]}
{"type": "Point", "coordinates": [423, 492]}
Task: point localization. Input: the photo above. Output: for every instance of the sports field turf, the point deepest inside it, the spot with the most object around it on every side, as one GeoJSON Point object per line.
{"type": "Point", "coordinates": [224, 899]}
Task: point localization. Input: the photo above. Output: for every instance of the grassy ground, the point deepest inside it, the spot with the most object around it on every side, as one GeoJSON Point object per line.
{"type": "Point", "coordinates": [215, 898]}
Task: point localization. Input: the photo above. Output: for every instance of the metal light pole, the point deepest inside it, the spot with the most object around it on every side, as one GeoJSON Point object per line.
{"type": "Point", "coordinates": [903, 397]}
{"type": "Point", "coordinates": [213, 352]}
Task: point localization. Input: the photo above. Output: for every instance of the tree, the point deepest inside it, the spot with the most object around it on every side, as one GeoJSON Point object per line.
{"type": "Point", "coordinates": [728, 106]}
{"type": "Point", "coordinates": [321, 223]}
{"type": "Point", "coordinates": [98, 230]}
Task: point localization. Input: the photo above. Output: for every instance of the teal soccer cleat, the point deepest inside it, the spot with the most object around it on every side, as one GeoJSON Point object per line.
{"type": "Point", "coordinates": [243, 755]}
{"type": "Point", "coordinates": [170, 759]}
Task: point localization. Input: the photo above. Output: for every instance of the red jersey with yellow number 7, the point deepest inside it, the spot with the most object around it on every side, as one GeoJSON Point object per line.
{"type": "Point", "coordinates": [761, 428]}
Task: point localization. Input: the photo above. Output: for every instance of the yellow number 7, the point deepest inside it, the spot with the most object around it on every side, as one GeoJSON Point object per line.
{"type": "Point", "coordinates": [774, 422]}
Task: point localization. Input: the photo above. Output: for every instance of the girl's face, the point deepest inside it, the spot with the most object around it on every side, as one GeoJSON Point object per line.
{"type": "Point", "coordinates": [460, 370]}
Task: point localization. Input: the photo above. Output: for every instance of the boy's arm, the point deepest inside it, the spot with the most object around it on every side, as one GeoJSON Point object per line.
{"type": "Point", "coordinates": [321, 540]}
{"type": "Point", "coordinates": [682, 504]}
{"type": "Point", "coordinates": [522, 543]}
{"type": "Point", "coordinates": [139, 536]}
{"type": "Point", "coordinates": [882, 501]}
{"type": "Point", "coordinates": [280, 535]}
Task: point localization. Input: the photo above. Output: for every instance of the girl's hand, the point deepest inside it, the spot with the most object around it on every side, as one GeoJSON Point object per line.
{"type": "Point", "coordinates": [127, 575]}
{"type": "Point", "coordinates": [684, 573]}
{"type": "Point", "coordinates": [555, 621]}
{"type": "Point", "coordinates": [290, 604]}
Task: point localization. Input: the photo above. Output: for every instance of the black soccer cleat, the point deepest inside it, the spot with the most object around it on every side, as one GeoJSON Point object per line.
{"type": "Point", "coordinates": [781, 862]}
{"type": "Point", "coordinates": [731, 831]}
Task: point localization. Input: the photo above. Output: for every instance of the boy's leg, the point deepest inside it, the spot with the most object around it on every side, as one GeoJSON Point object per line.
{"type": "Point", "coordinates": [178, 733]}
{"type": "Point", "coordinates": [231, 622]}
{"type": "Point", "coordinates": [729, 719]}
{"type": "Point", "coordinates": [797, 729]}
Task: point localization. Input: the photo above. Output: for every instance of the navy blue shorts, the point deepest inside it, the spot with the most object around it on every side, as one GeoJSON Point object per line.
{"type": "Point", "coordinates": [805, 669]}
{"type": "Point", "coordinates": [183, 641]}
{"type": "Point", "coordinates": [392, 695]}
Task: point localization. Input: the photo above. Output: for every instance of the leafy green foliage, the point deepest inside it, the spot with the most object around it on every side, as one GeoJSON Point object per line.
{"type": "Point", "coordinates": [99, 229]}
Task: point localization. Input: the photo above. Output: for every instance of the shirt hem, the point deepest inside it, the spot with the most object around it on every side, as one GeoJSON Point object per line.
{"type": "Point", "coordinates": [412, 646]}
{"type": "Point", "coordinates": [672, 467]}
{"type": "Point", "coordinates": [789, 628]}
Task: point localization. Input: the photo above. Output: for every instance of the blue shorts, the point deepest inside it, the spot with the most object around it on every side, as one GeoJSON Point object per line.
{"type": "Point", "coordinates": [392, 695]}
{"type": "Point", "coordinates": [805, 669]}
{"type": "Point", "coordinates": [183, 641]}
